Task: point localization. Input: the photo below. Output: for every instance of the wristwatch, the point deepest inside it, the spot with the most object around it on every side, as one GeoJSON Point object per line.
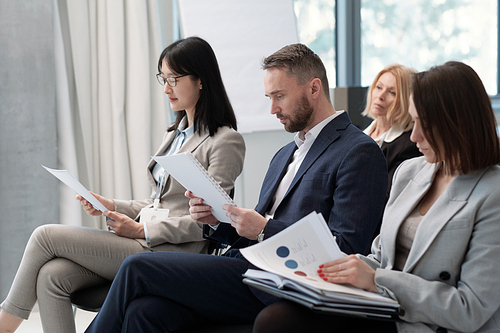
{"type": "Point", "coordinates": [260, 236]}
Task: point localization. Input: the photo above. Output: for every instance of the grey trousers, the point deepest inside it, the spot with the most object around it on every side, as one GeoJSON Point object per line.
{"type": "Point", "coordinates": [58, 260]}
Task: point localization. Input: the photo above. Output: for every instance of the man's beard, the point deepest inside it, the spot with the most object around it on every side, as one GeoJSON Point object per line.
{"type": "Point", "coordinates": [301, 116]}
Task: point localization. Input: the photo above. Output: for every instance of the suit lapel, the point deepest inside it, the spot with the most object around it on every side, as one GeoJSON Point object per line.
{"type": "Point", "coordinates": [441, 212]}
{"type": "Point", "coordinates": [402, 207]}
{"type": "Point", "coordinates": [325, 138]}
{"type": "Point", "coordinates": [169, 137]}
{"type": "Point", "coordinates": [191, 145]}
{"type": "Point", "coordinates": [194, 142]}
{"type": "Point", "coordinates": [274, 177]}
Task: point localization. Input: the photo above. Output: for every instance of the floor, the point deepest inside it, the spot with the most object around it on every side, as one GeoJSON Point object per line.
{"type": "Point", "coordinates": [34, 325]}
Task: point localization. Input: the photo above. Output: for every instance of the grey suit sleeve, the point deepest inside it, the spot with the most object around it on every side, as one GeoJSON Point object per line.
{"type": "Point", "coordinates": [462, 299]}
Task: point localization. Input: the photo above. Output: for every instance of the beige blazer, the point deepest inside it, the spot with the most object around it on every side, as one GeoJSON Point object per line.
{"type": "Point", "coordinates": [452, 275]}
{"type": "Point", "coordinates": [222, 155]}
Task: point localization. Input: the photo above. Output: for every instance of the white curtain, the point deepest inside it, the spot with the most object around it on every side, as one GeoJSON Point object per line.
{"type": "Point", "coordinates": [111, 111]}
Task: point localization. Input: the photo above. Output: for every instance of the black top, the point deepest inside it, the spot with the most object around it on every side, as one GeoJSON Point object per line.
{"type": "Point", "coordinates": [398, 151]}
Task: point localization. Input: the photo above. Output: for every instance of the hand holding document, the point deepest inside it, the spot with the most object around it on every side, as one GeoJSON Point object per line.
{"type": "Point", "coordinates": [73, 183]}
{"type": "Point", "coordinates": [189, 172]}
{"type": "Point", "coordinates": [289, 261]}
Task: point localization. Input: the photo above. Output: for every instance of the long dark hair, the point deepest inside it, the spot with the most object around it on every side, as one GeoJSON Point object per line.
{"type": "Point", "coordinates": [194, 56]}
{"type": "Point", "coordinates": [456, 115]}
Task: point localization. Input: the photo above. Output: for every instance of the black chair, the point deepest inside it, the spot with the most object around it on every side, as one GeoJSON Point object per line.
{"type": "Point", "coordinates": [91, 298]}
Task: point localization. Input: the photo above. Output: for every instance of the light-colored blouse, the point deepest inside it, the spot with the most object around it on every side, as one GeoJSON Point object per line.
{"type": "Point", "coordinates": [406, 235]}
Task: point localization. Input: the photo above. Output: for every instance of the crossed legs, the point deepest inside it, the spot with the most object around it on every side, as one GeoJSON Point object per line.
{"type": "Point", "coordinates": [166, 291]}
{"type": "Point", "coordinates": [58, 260]}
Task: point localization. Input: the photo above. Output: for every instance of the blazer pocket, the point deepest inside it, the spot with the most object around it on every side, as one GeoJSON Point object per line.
{"type": "Point", "coordinates": [318, 177]}
{"type": "Point", "coordinates": [457, 224]}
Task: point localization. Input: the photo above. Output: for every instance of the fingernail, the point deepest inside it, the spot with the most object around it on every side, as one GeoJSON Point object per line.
{"type": "Point", "coordinates": [325, 279]}
{"type": "Point", "coordinates": [321, 266]}
{"type": "Point", "coordinates": [320, 270]}
{"type": "Point", "coordinates": [321, 274]}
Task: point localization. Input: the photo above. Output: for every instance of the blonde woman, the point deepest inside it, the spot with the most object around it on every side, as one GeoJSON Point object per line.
{"type": "Point", "coordinates": [387, 103]}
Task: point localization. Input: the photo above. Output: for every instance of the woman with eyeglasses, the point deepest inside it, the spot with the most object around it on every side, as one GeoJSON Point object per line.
{"type": "Point", "coordinates": [60, 259]}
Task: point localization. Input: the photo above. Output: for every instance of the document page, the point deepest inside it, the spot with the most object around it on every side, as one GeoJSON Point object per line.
{"type": "Point", "coordinates": [297, 250]}
{"type": "Point", "coordinates": [73, 183]}
{"type": "Point", "coordinates": [296, 253]}
{"type": "Point", "coordinates": [189, 172]}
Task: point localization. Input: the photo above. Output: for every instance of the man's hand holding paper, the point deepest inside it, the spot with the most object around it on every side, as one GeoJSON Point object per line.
{"type": "Point", "coordinates": [247, 222]}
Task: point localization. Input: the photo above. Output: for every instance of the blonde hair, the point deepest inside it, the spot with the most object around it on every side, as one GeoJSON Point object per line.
{"type": "Point", "coordinates": [397, 114]}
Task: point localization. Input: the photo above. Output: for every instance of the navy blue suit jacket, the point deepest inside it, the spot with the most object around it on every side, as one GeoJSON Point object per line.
{"type": "Point", "coordinates": [343, 176]}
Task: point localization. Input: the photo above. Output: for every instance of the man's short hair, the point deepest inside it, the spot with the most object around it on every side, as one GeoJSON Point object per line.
{"type": "Point", "coordinates": [301, 62]}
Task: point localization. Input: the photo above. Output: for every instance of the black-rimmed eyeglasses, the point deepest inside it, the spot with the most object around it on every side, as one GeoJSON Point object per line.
{"type": "Point", "coordinates": [171, 80]}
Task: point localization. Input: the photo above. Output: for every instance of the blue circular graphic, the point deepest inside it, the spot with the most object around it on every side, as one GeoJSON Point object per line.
{"type": "Point", "coordinates": [282, 252]}
{"type": "Point", "coordinates": [291, 264]}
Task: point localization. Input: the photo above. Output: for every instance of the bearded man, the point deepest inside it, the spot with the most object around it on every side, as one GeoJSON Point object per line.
{"type": "Point", "coordinates": [332, 168]}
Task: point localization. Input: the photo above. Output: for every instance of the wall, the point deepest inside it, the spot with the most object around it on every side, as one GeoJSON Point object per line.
{"type": "Point", "coordinates": [260, 148]}
{"type": "Point", "coordinates": [28, 194]}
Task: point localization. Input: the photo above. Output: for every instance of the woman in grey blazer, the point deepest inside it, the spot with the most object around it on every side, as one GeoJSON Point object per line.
{"type": "Point", "coordinates": [60, 259]}
{"type": "Point", "coordinates": [437, 253]}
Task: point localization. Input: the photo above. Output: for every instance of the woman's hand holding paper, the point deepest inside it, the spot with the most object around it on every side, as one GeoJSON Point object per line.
{"type": "Point", "coordinates": [351, 270]}
{"type": "Point", "coordinates": [124, 226]}
{"type": "Point", "coordinates": [89, 209]}
{"type": "Point", "coordinates": [199, 211]}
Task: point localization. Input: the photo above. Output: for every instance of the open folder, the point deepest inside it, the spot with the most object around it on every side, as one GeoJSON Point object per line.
{"type": "Point", "coordinates": [289, 261]}
{"type": "Point", "coordinates": [189, 172]}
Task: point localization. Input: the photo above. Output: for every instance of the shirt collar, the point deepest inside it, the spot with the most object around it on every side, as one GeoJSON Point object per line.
{"type": "Point", "coordinates": [188, 132]}
{"type": "Point", "coordinates": [390, 135]}
{"type": "Point", "coordinates": [393, 133]}
{"type": "Point", "coordinates": [314, 132]}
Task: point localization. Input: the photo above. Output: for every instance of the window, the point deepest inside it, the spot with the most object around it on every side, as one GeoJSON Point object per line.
{"type": "Point", "coordinates": [316, 29]}
{"type": "Point", "coordinates": [423, 33]}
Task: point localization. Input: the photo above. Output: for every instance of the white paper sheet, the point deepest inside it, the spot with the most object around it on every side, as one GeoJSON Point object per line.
{"type": "Point", "coordinates": [296, 252]}
{"type": "Point", "coordinates": [73, 183]}
{"type": "Point", "coordinates": [188, 171]}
